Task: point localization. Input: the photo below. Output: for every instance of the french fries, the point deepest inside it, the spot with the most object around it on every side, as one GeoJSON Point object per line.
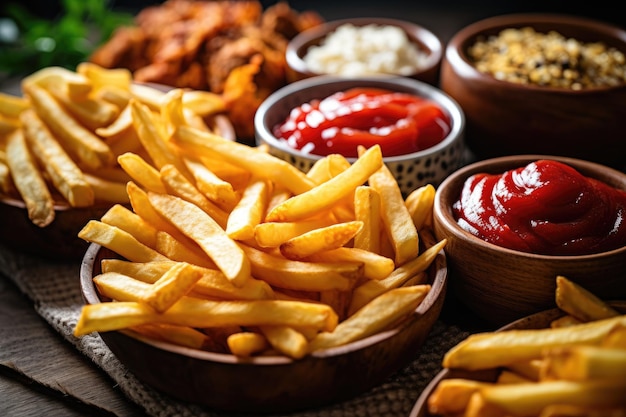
{"type": "Point", "coordinates": [78, 124]}
{"type": "Point", "coordinates": [575, 369]}
{"type": "Point", "coordinates": [230, 241]}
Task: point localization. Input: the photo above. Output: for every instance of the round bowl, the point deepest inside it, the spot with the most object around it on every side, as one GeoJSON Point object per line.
{"type": "Point", "coordinates": [501, 285]}
{"type": "Point", "coordinates": [413, 170]}
{"type": "Point", "coordinates": [540, 320]}
{"type": "Point", "coordinates": [425, 40]}
{"type": "Point", "coordinates": [508, 118]}
{"type": "Point", "coordinates": [270, 384]}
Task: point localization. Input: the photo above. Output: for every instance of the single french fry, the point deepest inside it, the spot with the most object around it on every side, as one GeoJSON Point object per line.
{"type": "Point", "coordinates": [582, 363]}
{"type": "Point", "coordinates": [142, 172]}
{"type": "Point", "coordinates": [207, 233]}
{"type": "Point", "coordinates": [286, 340]}
{"type": "Point", "coordinates": [580, 303]}
{"type": "Point", "coordinates": [119, 241]}
{"type": "Point", "coordinates": [123, 218]}
{"type": "Point", "coordinates": [147, 95]}
{"type": "Point", "coordinates": [319, 240]}
{"type": "Point", "coordinates": [273, 234]}
{"type": "Point", "coordinates": [204, 103]}
{"type": "Point", "coordinates": [172, 110]}
{"type": "Point", "coordinates": [246, 344]}
{"type": "Point", "coordinates": [373, 317]}
{"type": "Point", "coordinates": [327, 194]}
{"type": "Point", "coordinates": [452, 395]}
{"type": "Point", "coordinates": [101, 77]}
{"type": "Point", "coordinates": [83, 145]}
{"type": "Point", "coordinates": [107, 190]}
{"type": "Point", "coordinates": [198, 313]}
{"type": "Point", "coordinates": [375, 266]}
{"type": "Point", "coordinates": [171, 286]}
{"type": "Point", "coordinates": [249, 211]}
{"type": "Point", "coordinates": [420, 205]}
{"type": "Point", "coordinates": [298, 275]}
{"type": "Point", "coordinates": [214, 188]}
{"type": "Point", "coordinates": [28, 180]}
{"type": "Point", "coordinates": [490, 350]}
{"type": "Point", "coordinates": [395, 215]}
{"type": "Point", "coordinates": [66, 176]}
{"type": "Point", "coordinates": [371, 289]}
{"type": "Point", "coordinates": [367, 209]}
{"type": "Point", "coordinates": [196, 142]}
{"type": "Point", "coordinates": [564, 321]}
{"type": "Point", "coordinates": [530, 399]}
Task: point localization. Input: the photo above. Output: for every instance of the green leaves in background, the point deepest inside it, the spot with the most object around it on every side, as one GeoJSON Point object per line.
{"type": "Point", "coordinates": [28, 42]}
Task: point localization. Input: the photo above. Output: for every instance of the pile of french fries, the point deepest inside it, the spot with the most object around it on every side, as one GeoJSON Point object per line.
{"type": "Point", "coordinates": [226, 248]}
{"type": "Point", "coordinates": [574, 368]}
{"type": "Point", "coordinates": [60, 141]}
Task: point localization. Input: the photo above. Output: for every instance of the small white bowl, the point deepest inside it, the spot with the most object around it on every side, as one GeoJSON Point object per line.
{"type": "Point", "coordinates": [429, 166]}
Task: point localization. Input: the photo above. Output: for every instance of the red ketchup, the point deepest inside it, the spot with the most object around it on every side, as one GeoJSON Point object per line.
{"type": "Point", "coordinates": [546, 207]}
{"type": "Point", "coordinates": [400, 123]}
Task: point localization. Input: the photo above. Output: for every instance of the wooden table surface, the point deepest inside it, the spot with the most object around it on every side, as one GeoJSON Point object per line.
{"type": "Point", "coordinates": [27, 372]}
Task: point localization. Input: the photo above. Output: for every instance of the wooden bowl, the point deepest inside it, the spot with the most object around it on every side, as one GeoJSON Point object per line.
{"type": "Point", "coordinates": [270, 384]}
{"type": "Point", "coordinates": [426, 41]}
{"type": "Point", "coordinates": [429, 166]}
{"type": "Point", "coordinates": [501, 285]}
{"type": "Point", "coordinates": [505, 118]}
{"type": "Point", "coordinates": [540, 320]}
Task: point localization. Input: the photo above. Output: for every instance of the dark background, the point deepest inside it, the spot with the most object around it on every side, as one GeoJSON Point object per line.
{"type": "Point", "coordinates": [443, 17]}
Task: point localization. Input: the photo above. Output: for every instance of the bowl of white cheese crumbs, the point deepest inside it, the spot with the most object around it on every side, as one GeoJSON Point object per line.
{"type": "Point", "coordinates": [366, 47]}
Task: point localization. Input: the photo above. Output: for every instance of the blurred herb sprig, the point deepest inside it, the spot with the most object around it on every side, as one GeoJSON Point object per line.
{"type": "Point", "coordinates": [29, 42]}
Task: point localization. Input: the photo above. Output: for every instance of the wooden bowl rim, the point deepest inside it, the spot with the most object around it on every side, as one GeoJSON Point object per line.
{"type": "Point", "coordinates": [422, 401]}
{"type": "Point", "coordinates": [455, 51]}
{"type": "Point", "coordinates": [438, 289]}
{"type": "Point", "coordinates": [451, 187]}
{"type": "Point", "coordinates": [426, 40]}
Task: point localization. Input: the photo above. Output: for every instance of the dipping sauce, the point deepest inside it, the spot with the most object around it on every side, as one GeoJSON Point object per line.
{"type": "Point", "coordinates": [400, 123]}
{"type": "Point", "coordinates": [546, 207]}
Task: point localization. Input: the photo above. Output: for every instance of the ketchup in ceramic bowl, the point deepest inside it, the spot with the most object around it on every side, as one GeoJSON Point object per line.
{"type": "Point", "coordinates": [401, 123]}
{"type": "Point", "coordinates": [546, 207]}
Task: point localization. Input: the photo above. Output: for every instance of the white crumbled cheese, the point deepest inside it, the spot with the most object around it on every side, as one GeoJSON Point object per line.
{"type": "Point", "coordinates": [352, 50]}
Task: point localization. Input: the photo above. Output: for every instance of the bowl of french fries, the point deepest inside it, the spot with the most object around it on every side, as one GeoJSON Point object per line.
{"type": "Point", "coordinates": [566, 361]}
{"type": "Point", "coordinates": [500, 284]}
{"type": "Point", "coordinates": [61, 142]}
{"type": "Point", "coordinates": [272, 294]}
{"type": "Point", "coordinates": [411, 168]}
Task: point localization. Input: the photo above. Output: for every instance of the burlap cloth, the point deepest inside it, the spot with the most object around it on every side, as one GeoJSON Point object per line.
{"type": "Point", "coordinates": [54, 289]}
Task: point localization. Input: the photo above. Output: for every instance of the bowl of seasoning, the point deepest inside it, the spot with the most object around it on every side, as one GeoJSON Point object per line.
{"type": "Point", "coordinates": [365, 46]}
{"type": "Point", "coordinates": [514, 223]}
{"type": "Point", "coordinates": [540, 83]}
{"type": "Point", "coordinates": [419, 128]}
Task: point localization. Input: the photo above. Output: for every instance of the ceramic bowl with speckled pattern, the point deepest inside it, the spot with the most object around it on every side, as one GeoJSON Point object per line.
{"type": "Point", "coordinates": [412, 170]}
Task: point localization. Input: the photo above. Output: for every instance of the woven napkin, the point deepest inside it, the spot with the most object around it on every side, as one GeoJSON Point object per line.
{"type": "Point", "coordinates": [53, 287]}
